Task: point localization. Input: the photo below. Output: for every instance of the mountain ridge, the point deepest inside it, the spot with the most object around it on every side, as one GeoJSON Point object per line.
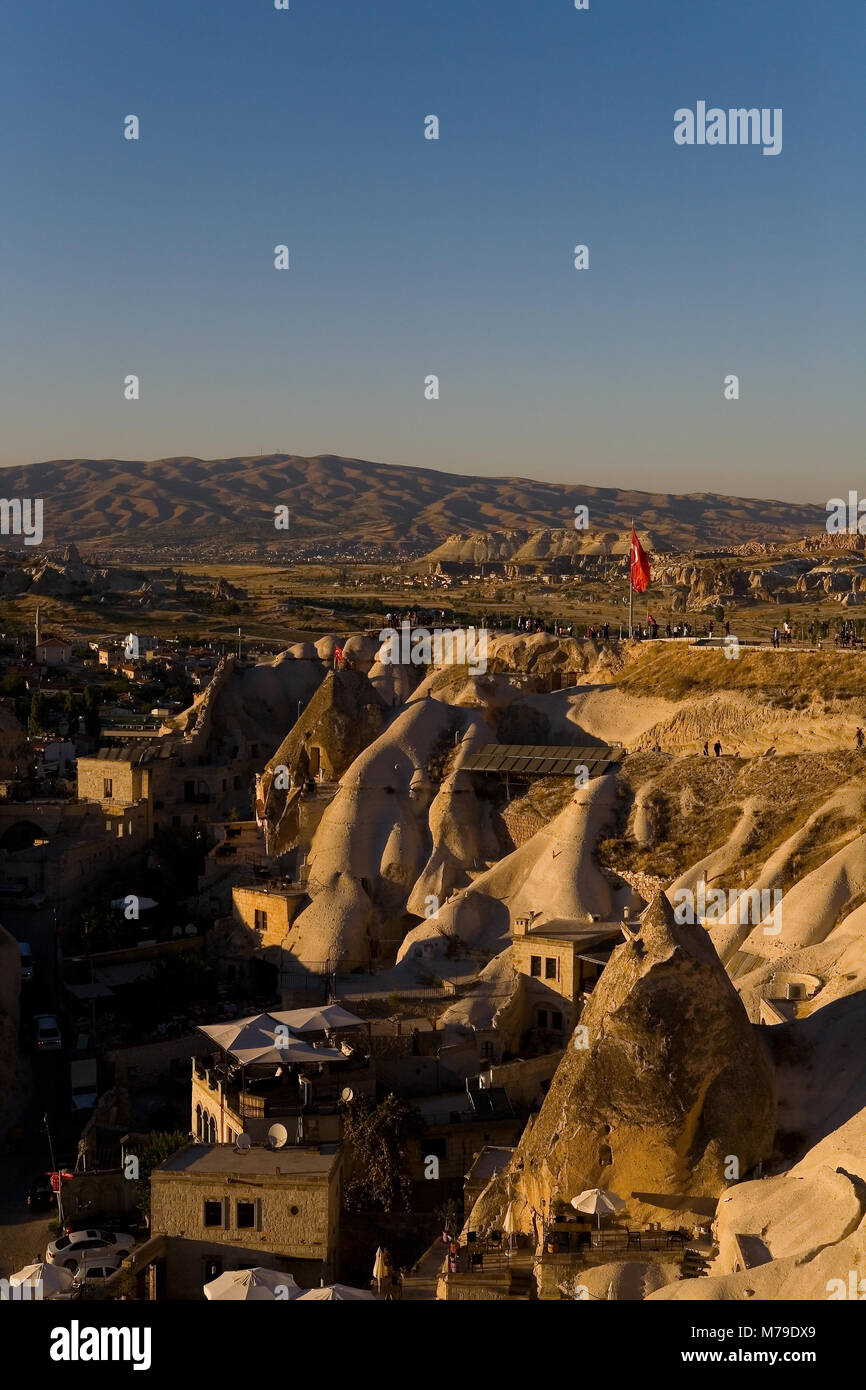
{"type": "Point", "coordinates": [188, 500]}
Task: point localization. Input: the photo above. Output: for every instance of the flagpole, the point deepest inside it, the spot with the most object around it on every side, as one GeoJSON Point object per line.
{"type": "Point", "coordinates": [630, 585]}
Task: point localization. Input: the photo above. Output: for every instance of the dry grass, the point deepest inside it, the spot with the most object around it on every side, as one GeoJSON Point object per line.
{"type": "Point", "coordinates": [787, 679]}
{"type": "Point", "coordinates": [697, 803]}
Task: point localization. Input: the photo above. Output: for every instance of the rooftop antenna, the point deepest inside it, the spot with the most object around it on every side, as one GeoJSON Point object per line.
{"type": "Point", "coordinates": [239, 644]}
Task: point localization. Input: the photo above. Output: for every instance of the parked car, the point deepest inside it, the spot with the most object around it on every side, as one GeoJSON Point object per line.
{"type": "Point", "coordinates": [128, 1225]}
{"type": "Point", "coordinates": [48, 1037]}
{"type": "Point", "coordinates": [96, 1268]}
{"type": "Point", "coordinates": [70, 1250]}
{"type": "Point", "coordinates": [26, 961]}
{"type": "Point", "coordinates": [83, 1084]}
{"type": "Point", "coordinates": [41, 1194]}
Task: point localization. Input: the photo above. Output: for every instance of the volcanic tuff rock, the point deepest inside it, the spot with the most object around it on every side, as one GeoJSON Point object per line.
{"type": "Point", "coordinates": [671, 1082]}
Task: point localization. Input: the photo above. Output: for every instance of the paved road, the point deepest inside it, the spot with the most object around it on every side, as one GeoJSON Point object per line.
{"type": "Point", "coordinates": [43, 1089]}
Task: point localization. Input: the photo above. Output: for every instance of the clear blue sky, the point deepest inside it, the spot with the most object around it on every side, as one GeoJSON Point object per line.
{"type": "Point", "coordinates": [412, 257]}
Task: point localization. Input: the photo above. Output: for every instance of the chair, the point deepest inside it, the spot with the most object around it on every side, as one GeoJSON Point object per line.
{"type": "Point", "coordinates": [476, 1260]}
{"type": "Point", "coordinates": [633, 1238]}
{"type": "Point", "coordinates": [676, 1238]}
{"type": "Point", "coordinates": [471, 1237]}
{"type": "Point", "coordinates": [495, 1240]}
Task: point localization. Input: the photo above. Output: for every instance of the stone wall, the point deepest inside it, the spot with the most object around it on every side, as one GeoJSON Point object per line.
{"type": "Point", "coordinates": [298, 1216]}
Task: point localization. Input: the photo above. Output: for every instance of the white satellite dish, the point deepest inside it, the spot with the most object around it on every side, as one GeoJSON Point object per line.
{"type": "Point", "coordinates": [278, 1136]}
{"type": "Point", "coordinates": [190, 929]}
{"type": "Point", "coordinates": [347, 1095]}
{"type": "Point", "coordinates": [243, 1142]}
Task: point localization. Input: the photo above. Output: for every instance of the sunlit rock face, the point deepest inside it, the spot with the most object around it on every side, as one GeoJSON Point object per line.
{"type": "Point", "coordinates": [671, 1085]}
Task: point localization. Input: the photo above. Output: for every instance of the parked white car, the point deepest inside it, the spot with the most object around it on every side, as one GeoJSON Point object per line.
{"type": "Point", "coordinates": [71, 1250]}
{"type": "Point", "coordinates": [48, 1037]}
{"type": "Point", "coordinates": [96, 1268]}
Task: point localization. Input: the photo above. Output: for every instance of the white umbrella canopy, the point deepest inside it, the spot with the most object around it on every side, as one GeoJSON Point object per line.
{"type": "Point", "coordinates": [257, 1285]}
{"type": "Point", "coordinates": [509, 1223]}
{"type": "Point", "coordinates": [255, 1039]}
{"type": "Point", "coordinates": [597, 1202]}
{"type": "Point", "coordinates": [380, 1267]}
{"type": "Point", "coordinates": [46, 1281]}
{"type": "Point", "coordinates": [337, 1293]}
{"type": "Point", "coordinates": [327, 1019]}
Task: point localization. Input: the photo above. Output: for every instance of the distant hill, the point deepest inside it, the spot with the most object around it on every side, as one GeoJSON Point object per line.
{"type": "Point", "coordinates": [190, 502]}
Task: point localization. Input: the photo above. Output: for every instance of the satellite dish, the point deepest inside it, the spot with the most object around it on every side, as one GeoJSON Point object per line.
{"type": "Point", "coordinates": [243, 1142]}
{"type": "Point", "coordinates": [278, 1136]}
{"type": "Point", "coordinates": [347, 1095]}
{"type": "Point", "coordinates": [176, 931]}
{"type": "Point", "coordinates": [190, 929]}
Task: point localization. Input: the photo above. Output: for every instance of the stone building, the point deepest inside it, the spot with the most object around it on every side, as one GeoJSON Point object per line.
{"type": "Point", "coordinates": [215, 1207]}
{"type": "Point", "coordinates": [268, 910]}
{"type": "Point", "coordinates": [559, 961]}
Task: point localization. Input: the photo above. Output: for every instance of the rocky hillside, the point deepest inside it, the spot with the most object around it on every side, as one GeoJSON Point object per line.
{"type": "Point", "coordinates": [192, 501]}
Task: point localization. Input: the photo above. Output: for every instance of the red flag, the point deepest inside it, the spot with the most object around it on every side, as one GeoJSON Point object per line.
{"type": "Point", "coordinates": [338, 653]}
{"type": "Point", "coordinates": [639, 565]}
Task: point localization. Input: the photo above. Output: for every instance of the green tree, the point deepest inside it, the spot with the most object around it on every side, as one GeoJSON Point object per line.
{"type": "Point", "coordinates": [92, 721]}
{"type": "Point", "coordinates": [70, 713]}
{"type": "Point", "coordinates": [39, 709]}
{"type": "Point", "coordinates": [155, 1150]}
{"type": "Point", "coordinates": [377, 1139]}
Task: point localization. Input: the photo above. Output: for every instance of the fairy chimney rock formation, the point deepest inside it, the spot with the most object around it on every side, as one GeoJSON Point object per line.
{"type": "Point", "coordinates": [670, 1086]}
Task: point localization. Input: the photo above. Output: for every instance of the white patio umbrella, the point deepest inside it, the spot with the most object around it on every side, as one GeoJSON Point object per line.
{"type": "Point", "coordinates": [43, 1280]}
{"type": "Point", "coordinates": [336, 1293]}
{"type": "Point", "coordinates": [597, 1202]}
{"type": "Point", "coordinates": [257, 1039]}
{"type": "Point", "coordinates": [327, 1019]}
{"type": "Point", "coordinates": [509, 1224]}
{"type": "Point", "coordinates": [380, 1267]}
{"type": "Point", "coordinates": [258, 1285]}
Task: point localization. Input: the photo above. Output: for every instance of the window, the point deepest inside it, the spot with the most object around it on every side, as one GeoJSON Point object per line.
{"type": "Point", "coordinates": [107, 785]}
{"type": "Point", "coordinates": [261, 919]}
{"type": "Point", "coordinates": [556, 1022]}
{"type": "Point", "coordinates": [551, 968]}
{"type": "Point", "coordinates": [213, 1213]}
{"type": "Point", "coordinates": [246, 1216]}
{"type": "Point", "coordinates": [542, 1018]}
{"type": "Point", "coordinates": [535, 966]}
